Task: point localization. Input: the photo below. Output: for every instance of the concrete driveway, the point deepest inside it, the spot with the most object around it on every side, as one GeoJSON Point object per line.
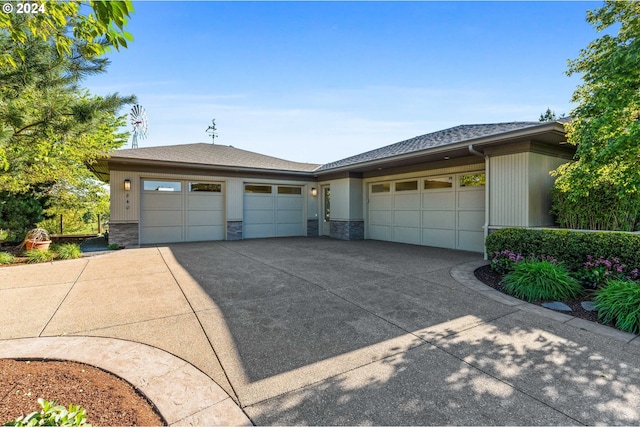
{"type": "Point", "coordinates": [319, 331]}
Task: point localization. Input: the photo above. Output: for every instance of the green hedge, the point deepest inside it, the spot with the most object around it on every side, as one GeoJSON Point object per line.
{"type": "Point", "coordinates": [570, 247]}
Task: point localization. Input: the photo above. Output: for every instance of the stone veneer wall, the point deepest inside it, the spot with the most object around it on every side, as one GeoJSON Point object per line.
{"type": "Point", "coordinates": [312, 227]}
{"type": "Point", "coordinates": [234, 230]}
{"type": "Point", "coordinates": [347, 230]}
{"type": "Point", "coordinates": [124, 234]}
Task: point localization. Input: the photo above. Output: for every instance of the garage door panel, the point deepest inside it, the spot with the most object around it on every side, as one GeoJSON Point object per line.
{"type": "Point", "coordinates": [205, 218]}
{"type": "Point", "coordinates": [439, 238]}
{"type": "Point", "coordinates": [439, 200]}
{"type": "Point", "coordinates": [205, 202]}
{"type": "Point", "coordinates": [259, 217]}
{"type": "Point", "coordinates": [471, 241]}
{"type": "Point", "coordinates": [439, 219]}
{"type": "Point", "coordinates": [380, 232]}
{"type": "Point", "coordinates": [406, 235]}
{"type": "Point", "coordinates": [407, 201]}
{"type": "Point", "coordinates": [162, 234]}
{"type": "Point", "coordinates": [288, 217]}
{"type": "Point", "coordinates": [381, 202]}
{"type": "Point", "coordinates": [290, 203]}
{"type": "Point", "coordinates": [470, 220]}
{"type": "Point", "coordinates": [471, 199]}
{"type": "Point", "coordinates": [293, 229]}
{"type": "Point", "coordinates": [259, 201]}
{"type": "Point", "coordinates": [158, 201]}
{"type": "Point", "coordinates": [381, 217]}
{"type": "Point", "coordinates": [161, 218]}
{"type": "Point", "coordinates": [407, 218]}
{"type": "Point", "coordinates": [196, 233]}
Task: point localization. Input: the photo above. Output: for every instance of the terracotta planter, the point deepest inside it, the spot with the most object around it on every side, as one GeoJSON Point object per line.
{"type": "Point", "coordinates": [41, 246]}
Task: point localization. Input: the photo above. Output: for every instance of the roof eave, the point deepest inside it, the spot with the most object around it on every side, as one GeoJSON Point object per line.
{"type": "Point", "coordinates": [481, 141]}
{"type": "Point", "coordinates": [200, 166]}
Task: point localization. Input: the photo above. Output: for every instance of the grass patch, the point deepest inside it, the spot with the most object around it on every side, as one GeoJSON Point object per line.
{"type": "Point", "coordinates": [68, 251]}
{"type": "Point", "coordinates": [7, 258]}
{"type": "Point", "coordinates": [35, 256]}
{"type": "Point", "coordinates": [541, 281]}
{"type": "Point", "coordinates": [619, 301]}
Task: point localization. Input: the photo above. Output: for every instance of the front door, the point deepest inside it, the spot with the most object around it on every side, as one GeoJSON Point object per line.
{"type": "Point", "coordinates": [326, 210]}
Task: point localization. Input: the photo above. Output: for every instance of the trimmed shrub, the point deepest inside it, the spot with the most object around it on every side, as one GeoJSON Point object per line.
{"type": "Point", "coordinates": [68, 251]}
{"type": "Point", "coordinates": [569, 247]}
{"type": "Point", "coordinates": [619, 302]}
{"type": "Point", "coordinates": [534, 280]}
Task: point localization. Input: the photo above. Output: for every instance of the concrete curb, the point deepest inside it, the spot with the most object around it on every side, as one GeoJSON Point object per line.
{"type": "Point", "coordinates": [182, 393]}
{"type": "Point", "coordinates": [463, 273]}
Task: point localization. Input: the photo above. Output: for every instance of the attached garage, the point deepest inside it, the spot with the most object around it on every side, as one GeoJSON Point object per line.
{"type": "Point", "coordinates": [442, 211]}
{"type": "Point", "coordinates": [273, 211]}
{"type": "Point", "coordinates": [181, 211]}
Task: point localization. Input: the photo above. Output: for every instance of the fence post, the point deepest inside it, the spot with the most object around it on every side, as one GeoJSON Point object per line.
{"type": "Point", "coordinates": [99, 228]}
{"type": "Point", "coordinates": [61, 225]}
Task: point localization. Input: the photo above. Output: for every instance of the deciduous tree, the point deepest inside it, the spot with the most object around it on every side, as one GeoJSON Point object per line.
{"type": "Point", "coordinates": [605, 125]}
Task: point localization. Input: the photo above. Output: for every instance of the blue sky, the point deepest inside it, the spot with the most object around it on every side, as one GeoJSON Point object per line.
{"type": "Point", "coordinates": [320, 81]}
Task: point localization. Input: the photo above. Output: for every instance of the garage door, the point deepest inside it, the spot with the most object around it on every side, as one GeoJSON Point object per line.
{"type": "Point", "coordinates": [273, 211]}
{"type": "Point", "coordinates": [181, 211]}
{"type": "Point", "coordinates": [445, 211]}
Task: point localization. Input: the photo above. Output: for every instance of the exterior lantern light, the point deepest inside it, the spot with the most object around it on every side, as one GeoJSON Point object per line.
{"type": "Point", "coordinates": [314, 191]}
{"type": "Point", "coordinates": [127, 184]}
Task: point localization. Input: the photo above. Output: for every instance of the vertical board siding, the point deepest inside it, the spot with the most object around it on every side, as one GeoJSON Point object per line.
{"type": "Point", "coordinates": [508, 192]}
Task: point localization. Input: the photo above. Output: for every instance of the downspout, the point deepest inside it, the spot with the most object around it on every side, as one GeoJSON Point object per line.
{"type": "Point", "coordinates": [486, 193]}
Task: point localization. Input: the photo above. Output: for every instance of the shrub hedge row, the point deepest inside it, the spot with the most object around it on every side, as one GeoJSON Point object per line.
{"type": "Point", "coordinates": [570, 247]}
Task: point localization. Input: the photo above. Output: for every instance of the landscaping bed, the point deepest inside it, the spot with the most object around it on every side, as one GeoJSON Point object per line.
{"type": "Point", "coordinates": [491, 278]}
{"type": "Point", "coordinates": [590, 275]}
{"type": "Point", "coordinates": [107, 399]}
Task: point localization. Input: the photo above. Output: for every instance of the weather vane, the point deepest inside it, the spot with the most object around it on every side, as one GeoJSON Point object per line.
{"type": "Point", "coordinates": [211, 130]}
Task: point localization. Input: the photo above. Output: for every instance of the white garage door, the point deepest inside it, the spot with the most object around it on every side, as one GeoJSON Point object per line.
{"type": "Point", "coordinates": [273, 211]}
{"type": "Point", "coordinates": [446, 211]}
{"type": "Point", "coordinates": [181, 211]}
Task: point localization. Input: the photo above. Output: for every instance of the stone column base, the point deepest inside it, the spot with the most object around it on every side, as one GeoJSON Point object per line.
{"type": "Point", "coordinates": [346, 230]}
{"type": "Point", "coordinates": [125, 234]}
{"type": "Point", "coordinates": [234, 230]}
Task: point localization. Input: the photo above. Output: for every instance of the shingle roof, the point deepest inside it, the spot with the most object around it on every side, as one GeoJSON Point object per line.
{"type": "Point", "coordinates": [431, 140]}
{"type": "Point", "coordinates": [212, 155]}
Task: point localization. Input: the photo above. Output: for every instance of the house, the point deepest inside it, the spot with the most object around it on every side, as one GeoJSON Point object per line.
{"type": "Point", "coordinates": [446, 189]}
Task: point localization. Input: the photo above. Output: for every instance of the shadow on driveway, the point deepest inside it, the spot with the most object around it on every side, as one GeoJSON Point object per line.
{"type": "Point", "coordinates": [319, 331]}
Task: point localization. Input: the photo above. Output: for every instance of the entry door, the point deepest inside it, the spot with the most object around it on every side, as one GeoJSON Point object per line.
{"type": "Point", "coordinates": [326, 210]}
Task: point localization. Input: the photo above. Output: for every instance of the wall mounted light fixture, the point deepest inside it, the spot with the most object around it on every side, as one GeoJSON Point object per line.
{"type": "Point", "coordinates": [127, 184]}
{"type": "Point", "coordinates": [314, 191]}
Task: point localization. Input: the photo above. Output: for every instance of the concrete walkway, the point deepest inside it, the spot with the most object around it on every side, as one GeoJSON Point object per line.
{"type": "Point", "coordinates": [318, 331]}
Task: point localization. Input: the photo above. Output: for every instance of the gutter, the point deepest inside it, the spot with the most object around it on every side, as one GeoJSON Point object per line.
{"type": "Point", "coordinates": [487, 169]}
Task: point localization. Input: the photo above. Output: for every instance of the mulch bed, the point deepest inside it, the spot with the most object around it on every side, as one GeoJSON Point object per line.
{"type": "Point", "coordinates": [493, 279]}
{"type": "Point", "coordinates": [108, 400]}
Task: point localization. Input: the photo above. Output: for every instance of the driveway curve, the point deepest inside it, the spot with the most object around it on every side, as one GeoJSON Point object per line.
{"type": "Point", "coordinates": [320, 331]}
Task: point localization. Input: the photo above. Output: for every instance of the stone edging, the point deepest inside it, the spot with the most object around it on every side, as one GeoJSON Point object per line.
{"type": "Point", "coordinates": [182, 394]}
{"type": "Point", "coordinates": [463, 273]}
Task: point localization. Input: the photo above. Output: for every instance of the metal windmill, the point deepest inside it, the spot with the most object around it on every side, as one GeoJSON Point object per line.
{"type": "Point", "coordinates": [139, 124]}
